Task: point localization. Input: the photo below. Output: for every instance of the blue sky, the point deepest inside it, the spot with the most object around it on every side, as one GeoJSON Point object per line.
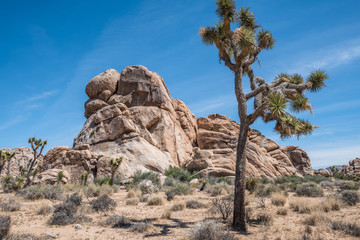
{"type": "Point", "coordinates": [51, 49]}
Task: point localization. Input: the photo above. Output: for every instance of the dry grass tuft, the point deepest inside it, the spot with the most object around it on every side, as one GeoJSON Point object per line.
{"type": "Point", "coordinates": [166, 214]}
{"type": "Point", "coordinates": [301, 205]}
{"type": "Point", "coordinates": [133, 193]}
{"type": "Point", "coordinates": [155, 200]}
{"type": "Point", "coordinates": [133, 201]}
{"type": "Point", "coordinates": [278, 199]}
{"type": "Point", "coordinates": [282, 211]}
{"type": "Point", "coordinates": [179, 206]}
{"type": "Point", "coordinates": [314, 219]}
{"type": "Point", "coordinates": [330, 204]}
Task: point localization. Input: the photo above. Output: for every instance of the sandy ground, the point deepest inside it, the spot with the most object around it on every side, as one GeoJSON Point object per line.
{"type": "Point", "coordinates": [290, 226]}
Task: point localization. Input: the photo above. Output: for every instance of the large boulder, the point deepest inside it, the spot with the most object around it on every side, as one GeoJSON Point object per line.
{"type": "Point", "coordinates": [103, 85]}
{"type": "Point", "coordinates": [132, 115]}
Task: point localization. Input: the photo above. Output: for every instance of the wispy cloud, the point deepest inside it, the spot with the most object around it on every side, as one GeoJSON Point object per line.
{"type": "Point", "coordinates": [13, 121]}
{"type": "Point", "coordinates": [329, 57]}
{"type": "Point", "coordinates": [351, 104]}
{"type": "Point", "coordinates": [37, 97]}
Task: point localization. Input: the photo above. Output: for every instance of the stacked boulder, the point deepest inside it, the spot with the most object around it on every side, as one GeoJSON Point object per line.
{"type": "Point", "coordinates": [132, 115]}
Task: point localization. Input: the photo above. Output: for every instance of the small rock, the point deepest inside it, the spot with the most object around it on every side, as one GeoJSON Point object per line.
{"type": "Point", "coordinates": [77, 226]}
{"type": "Point", "coordinates": [194, 181]}
{"type": "Point", "coordinates": [50, 235]}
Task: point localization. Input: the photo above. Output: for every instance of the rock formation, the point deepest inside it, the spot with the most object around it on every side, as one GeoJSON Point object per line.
{"type": "Point", "coordinates": [21, 159]}
{"type": "Point", "coordinates": [353, 169]}
{"type": "Point", "coordinates": [132, 115]}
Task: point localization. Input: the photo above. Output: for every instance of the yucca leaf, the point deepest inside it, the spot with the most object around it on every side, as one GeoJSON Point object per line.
{"type": "Point", "coordinates": [296, 78]}
{"type": "Point", "coordinates": [265, 39]}
{"type": "Point", "coordinates": [317, 79]}
{"type": "Point", "coordinates": [277, 103]}
{"type": "Point", "coordinates": [246, 19]}
{"type": "Point", "coordinates": [225, 9]}
{"type": "Point", "coordinates": [300, 103]}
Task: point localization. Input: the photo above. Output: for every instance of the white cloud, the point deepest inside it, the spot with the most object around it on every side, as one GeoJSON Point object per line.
{"type": "Point", "coordinates": [37, 97]}
{"type": "Point", "coordinates": [328, 57]}
{"type": "Point", "coordinates": [333, 155]}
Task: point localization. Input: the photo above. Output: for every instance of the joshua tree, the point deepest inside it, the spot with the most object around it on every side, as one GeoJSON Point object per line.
{"type": "Point", "coordinates": [5, 157]}
{"type": "Point", "coordinates": [31, 171]}
{"type": "Point", "coordinates": [60, 177]}
{"type": "Point", "coordinates": [239, 42]}
{"type": "Point", "coordinates": [114, 163]}
{"type": "Point", "coordinates": [84, 177]}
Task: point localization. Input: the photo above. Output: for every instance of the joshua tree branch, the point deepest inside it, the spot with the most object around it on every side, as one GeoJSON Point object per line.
{"type": "Point", "coordinates": [257, 112]}
{"type": "Point", "coordinates": [225, 56]}
{"type": "Point", "coordinates": [258, 90]}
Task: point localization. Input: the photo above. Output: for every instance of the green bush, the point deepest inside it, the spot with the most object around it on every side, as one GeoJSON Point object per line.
{"type": "Point", "coordinates": [35, 192]}
{"type": "Point", "coordinates": [309, 189]}
{"type": "Point", "coordinates": [315, 178]}
{"type": "Point", "coordinates": [210, 230]}
{"type": "Point", "coordinates": [103, 204]}
{"type": "Point", "coordinates": [93, 190]}
{"type": "Point", "coordinates": [347, 185]}
{"type": "Point", "coordinates": [152, 176]}
{"type": "Point", "coordinates": [219, 189]}
{"type": "Point", "coordinates": [348, 228]}
{"type": "Point", "coordinates": [106, 180]}
{"type": "Point", "coordinates": [350, 197]}
{"type": "Point", "coordinates": [178, 189]}
{"type": "Point", "coordinates": [67, 212]}
{"type": "Point", "coordinates": [266, 190]}
{"type": "Point", "coordinates": [180, 174]}
{"type": "Point", "coordinates": [290, 179]}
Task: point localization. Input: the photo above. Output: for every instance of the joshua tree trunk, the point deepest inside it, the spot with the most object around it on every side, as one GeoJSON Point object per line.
{"type": "Point", "coordinates": [239, 221]}
{"type": "Point", "coordinates": [112, 178]}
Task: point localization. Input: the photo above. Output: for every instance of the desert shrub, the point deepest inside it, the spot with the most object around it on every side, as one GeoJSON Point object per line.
{"type": "Point", "coordinates": [195, 204]}
{"type": "Point", "coordinates": [5, 224]}
{"type": "Point", "coordinates": [117, 221]}
{"type": "Point", "coordinates": [35, 192]}
{"type": "Point", "coordinates": [327, 184]}
{"type": "Point", "coordinates": [132, 201]}
{"type": "Point", "coordinates": [290, 179]}
{"type": "Point", "coordinates": [282, 211]}
{"type": "Point", "coordinates": [146, 188]}
{"type": "Point", "coordinates": [93, 190]}
{"type": "Point", "coordinates": [64, 213]}
{"type": "Point", "coordinates": [266, 190]}
{"type": "Point", "coordinates": [75, 198]}
{"type": "Point", "coordinates": [180, 174]}
{"type": "Point", "coordinates": [178, 189]}
{"type": "Point", "coordinates": [313, 220]}
{"type": "Point", "coordinates": [45, 210]}
{"type": "Point", "coordinates": [133, 193]}
{"type": "Point", "coordinates": [141, 227]}
{"type": "Point", "coordinates": [301, 206]}
{"type": "Point", "coordinates": [166, 215]}
{"type": "Point", "coordinates": [350, 197]}
{"type": "Point", "coordinates": [179, 206]}
{"type": "Point", "coordinates": [152, 176]}
{"type": "Point", "coordinates": [251, 184]}
{"type": "Point", "coordinates": [315, 178]}
{"type": "Point", "coordinates": [10, 183]}
{"type": "Point", "coordinates": [106, 180]}
{"type": "Point", "coordinates": [169, 181]}
{"type": "Point", "coordinates": [330, 204]}
{"type": "Point", "coordinates": [309, 189]}
{"type": "Point", "coordinates": [348, 228]}
{"type": "Point", "coordinates": [218, 189]}
{"type": "Point", "coordinates": [264, 218]}
{"type": "Point", "coordinates": [278, 199]}
{"type": "Point", "coordinates": [223, 206]}
{"type": "Point", "coordinates": [103, 204]}
{"type": "Point", "coordinates": [144, 198]}
{"type": "Point", "coordinates": [210, 230]}
{"type": "Point", "coordinates": [347, 185]}
{"type": "Point", "coordinates": [155, 200]}
{"type": "Point", "coordinates": [10, 206]}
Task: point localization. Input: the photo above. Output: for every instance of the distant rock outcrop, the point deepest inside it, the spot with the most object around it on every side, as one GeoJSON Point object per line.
{"type": "Point", "coordinates": [132, 115]}
{"type": "Point", "coordinates": [353, 169]}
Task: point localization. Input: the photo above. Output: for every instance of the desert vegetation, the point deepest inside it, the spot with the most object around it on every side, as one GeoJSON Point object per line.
{"type": "Point", "coordinates": [312, 207]}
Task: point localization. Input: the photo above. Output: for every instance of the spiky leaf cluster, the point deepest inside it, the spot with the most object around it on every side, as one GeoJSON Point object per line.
{"type": "Point", "coordinates": [226, 9]}
{"type": "Point", "coordinates": [246, 18]}
{"type": "Point", "coordinates": [317, 80]}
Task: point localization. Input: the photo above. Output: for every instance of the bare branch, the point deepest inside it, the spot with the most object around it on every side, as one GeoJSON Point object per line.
{"type": "Point", "coordinates": [258, 90]}
{"type": "Point", "coordinates": [258, 111]}
{"type": "Point", "coordinates": [225, 56]}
